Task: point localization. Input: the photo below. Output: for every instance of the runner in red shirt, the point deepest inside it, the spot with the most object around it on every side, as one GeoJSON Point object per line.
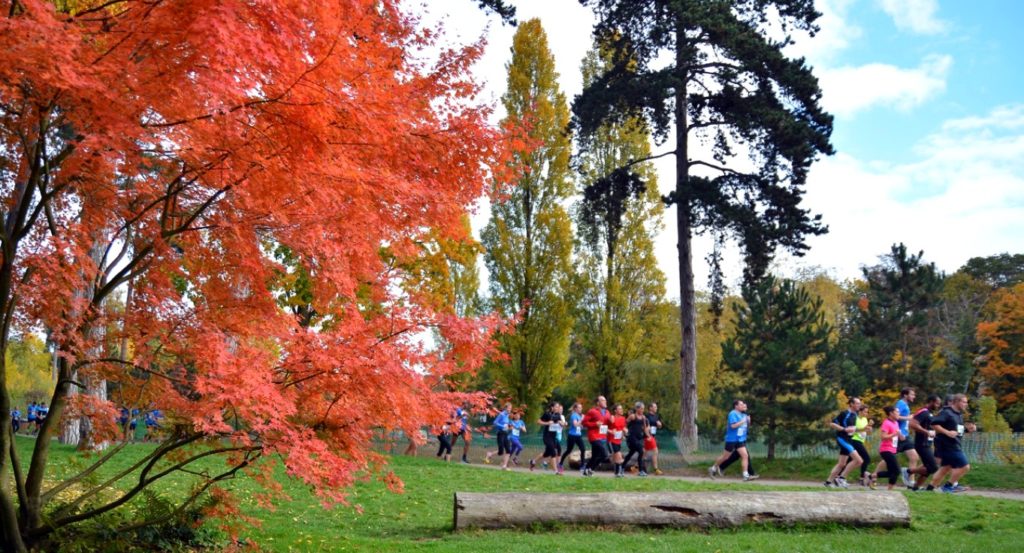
{"type": "Point", "coordinates": [597, 421]}
{"type": "Point", "coordinates": [616, 431]}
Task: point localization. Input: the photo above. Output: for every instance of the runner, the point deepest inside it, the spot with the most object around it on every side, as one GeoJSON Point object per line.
{"type": "Point", "coordinates": [864, 427]}
{"type": "Point", "coordinates": [16, 420]}
{"type": "Point", "coordinates": [575, 437]}
{"type": "Point", "coordinates": [887, 448]}
{"type": "Point", "coordinates": [463, 430]}
{"type": "Point", "coordinates": [735, 441]}
{"type": "Point", "coordinates": [502, 426]}
{"type": "Point", "coordinates": [924, 439]}
{"type": "Point", "coordinates": [30, 413]}
{"type": "Point", "coordinates": [518, 427]}
{"type": "Point", "coordinates": [617, 432]}
{"type": "Point", "coordinates": [906, 445]}
{"type": "Point", "coordinates": [444, 442]}
{"type": "Point", "coordinates": [651, 444]}
{"type": "Point", "coordinates": [551, 423]}
{"type": "Point", "coordinates": [949, 428]}
{"type": "Point", "coordinates": [636, 432]}
{"type": "Point", "coordinates": [845, 424]}
{"type": "Point", "coordinates": [596, 421]}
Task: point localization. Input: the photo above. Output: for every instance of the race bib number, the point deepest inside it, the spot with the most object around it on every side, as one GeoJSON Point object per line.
{"type": "Point", "coordinates": [603, 429]}
{"type": "Point", "coordinates": [555, 428]}
{"type": "Point", "coordinates": [959, 430]}
{"type": "Point", "coordinates": [515, 432]}
{"type": "Point", "coordinates": [895, 441]}
{"type": "Point", "coordinates": [618, 434]}
{"type": "Point", "coordinates": [741, 431]}
{"type": "Point", "coordinates": [654, 430]}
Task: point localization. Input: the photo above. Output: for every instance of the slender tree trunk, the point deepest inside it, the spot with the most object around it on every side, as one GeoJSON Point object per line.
{"type": "Point", "coordinates": [688, 314]}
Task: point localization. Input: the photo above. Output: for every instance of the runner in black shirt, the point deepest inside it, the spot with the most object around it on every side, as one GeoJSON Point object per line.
{"type": "Point", "coordinates": [924, 436]}
{"type": "Point", "coordinates": [949, 427]}
{"type": "Point", "coordinates": [636, 432]}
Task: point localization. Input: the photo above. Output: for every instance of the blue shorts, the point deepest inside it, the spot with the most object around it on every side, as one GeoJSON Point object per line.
{"type": "Point", "coordinates": [952, 459]}
{"type": "Point", "coordinates": [845, 447]}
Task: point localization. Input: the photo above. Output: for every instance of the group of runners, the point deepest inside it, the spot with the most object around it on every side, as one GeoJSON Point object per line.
{"type": "Point", "coordinates": [934, 454]}
{"type": "Point", "coordinates": [606, 431]}
{"type": "Point", "coordinates": [35, 413]}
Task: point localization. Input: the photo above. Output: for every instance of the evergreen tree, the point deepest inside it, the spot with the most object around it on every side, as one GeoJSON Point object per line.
{"type": "Point", "coordinates": [528, 240]}
{"type": "Point", "coordinates": [781, 336]}
{"type": "Point", "coordinates": [892, 336]}
{"type": "Point", "coordinates": [729, 87]}
{"type": "Point", "coordinates": [621, 285]}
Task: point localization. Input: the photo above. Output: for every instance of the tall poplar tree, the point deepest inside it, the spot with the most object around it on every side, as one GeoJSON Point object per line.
{"type": "Point", "coordinates": [746, 124]}
{"type": "Point", "coordinates": [622, 286]}
{"type": "Point", "coordinates": [528, 241]}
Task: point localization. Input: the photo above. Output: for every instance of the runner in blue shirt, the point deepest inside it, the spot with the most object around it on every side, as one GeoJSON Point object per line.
{"type": "Point", "coordinates": [575, 434]}
{"type": "Point", "coordinates": [16, 419]}
{"type": "Point", "coordinates": [906, 445]}
{"type": "Point", "coordinates": [736, 429]}
{"type": "Point", "coordinates": [845, 424]}
{"type": "Point", "coordinates": [518, 428]}
{"type": "Point", "coordinates": [502, 426]}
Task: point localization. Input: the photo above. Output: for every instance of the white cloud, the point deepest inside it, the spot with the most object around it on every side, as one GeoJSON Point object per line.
{"type": "Point", "coordinates": [848, 90]}
{"type": "Point", "coordinates": [963, 197]}
{"type": "Point", "coordinates": [836, 33]}
{"type": "Point", "coordinates": [917, 16]}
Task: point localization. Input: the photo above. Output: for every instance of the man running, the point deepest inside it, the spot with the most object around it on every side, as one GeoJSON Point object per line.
{"type": "Point", "coordinates": [575, 437]}
{"type": "Point", "coordinates": [444, 442]}
{"type": "Point", "coordinates": [651, 444]}
{"type": "Point", "coordinates": [906, 445]}
{"type": "Point", "coordinates": [924, 439]}
{"type": "Point", "coordinates": [735, 441]}
{"type": "Point", "coordinates": [463, 430]}
{"type": "Point", "coordinates": [551, 422]}
{"type": "Point", "coordinates": [949, 428]}
{"type": "Point", "coordinates": [596, 421]}
{"type": "Point", "coordinates": [502, 426]}
{"type": "Point", "coordinates": [845, 424]}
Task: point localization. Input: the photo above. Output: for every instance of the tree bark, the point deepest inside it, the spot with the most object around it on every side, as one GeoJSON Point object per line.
{"type": "Point", "coordinates": [687, 436]}
{"type": "Point", "coordinates": [680, 509]}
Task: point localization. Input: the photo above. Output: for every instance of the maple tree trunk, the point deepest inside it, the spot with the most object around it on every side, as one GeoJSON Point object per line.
{"type": "Point", "coordinates": [680, 509]}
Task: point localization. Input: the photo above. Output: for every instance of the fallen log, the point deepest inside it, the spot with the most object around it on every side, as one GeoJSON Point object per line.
{"type": "Point", "coordinates": [681, 509]}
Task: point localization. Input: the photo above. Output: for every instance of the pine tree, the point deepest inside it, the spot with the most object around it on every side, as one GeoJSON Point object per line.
{"type": "Point", "coordinates": [781, 335]}
{"type": "Point", "coordinates": [730, 87]}
{"type": "Point", "coordinates": [528, 240]}
{"type": "Point", "coordinates": [618, 217]}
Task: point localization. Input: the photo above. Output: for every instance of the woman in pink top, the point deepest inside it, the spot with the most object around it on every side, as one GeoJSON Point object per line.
{"type": "Point", "coordinates": [887, 449]}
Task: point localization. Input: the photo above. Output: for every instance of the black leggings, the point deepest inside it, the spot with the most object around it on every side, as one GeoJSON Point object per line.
{"type": "Point", "coordinates": [598, 454]}
{"type": "Point", "coordinates": [504, 446]}
{"type": "Point", "coordinates": [892, 466]}
{"type": "Point", "coordinates": [864, 455]}
{"type": "Point", "coordinates": [444, 444]}
{"type": "Point", "coordinates": [574, 441]}
{"type": "Point", "coordinates": [638, 449]}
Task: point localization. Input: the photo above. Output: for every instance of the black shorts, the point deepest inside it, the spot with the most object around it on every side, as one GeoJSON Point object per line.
{"type": "Point", "coordinates": [927, 458]}
{"type": "Point", "coordinates": [953, 459]}
{"type": "Point", "coordinates": [616, 447]}
{"type": "Point", "coordinates": [904, 445]}
{"type": "Point", "coordinates": [733, 446]}
{"type": "Point", "coordinates": [552, 447]}
{"type": "Point", "coordinates": [504, 446]}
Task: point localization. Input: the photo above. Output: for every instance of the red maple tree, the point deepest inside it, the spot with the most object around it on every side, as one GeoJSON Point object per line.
{"type": "Point", "coordinates": [163, 151]}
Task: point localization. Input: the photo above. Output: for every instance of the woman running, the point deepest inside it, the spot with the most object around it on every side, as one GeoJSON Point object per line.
{"type": "Point", "coordinates": [444, 440]}
{"type": "Point", "coordinates": [636, 432]}
{"type": "Point", "coordinates": [551, 423]}
{"type": "Point", "coordinates": [617, 431]}
{"type": "Point", "coordinates": [518, 427]}
{"type": "Point", "coordinates": [864, 426]}
{"type": "Point", "coordinates": [887, 448]}
{"type": "Point", "coordinates": [575, 437]}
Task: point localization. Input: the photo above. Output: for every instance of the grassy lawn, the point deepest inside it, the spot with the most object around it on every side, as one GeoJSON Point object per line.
{"type": "Point", "coordinates": [421, 518]}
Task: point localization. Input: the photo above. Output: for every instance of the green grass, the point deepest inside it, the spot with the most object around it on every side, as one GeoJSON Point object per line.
{"type": "Point", "coordinates": [421, 518]}
{"type": "Point", "coordinates": [1002, 477]}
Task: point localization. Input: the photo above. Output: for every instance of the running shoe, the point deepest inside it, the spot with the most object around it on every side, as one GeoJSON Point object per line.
{"type": "Point", "coordinates": [842, 483]}
{"type": "Point", "coordinates": [515, 461]}
{"type": "Point", "coordinates": [464, 460]}
{"type": "Point", "coordinates": [905, 473]}
{"type": "Point", "coordinates": [532, 464]}
{"type": "Point", "coordinates": [620, 475]}
{"type": "Point", "coordinates": [714, 471]}
{"type": "Point", "coordinates": [829, 484]}
{"type": "Point", "coordinates": [633, 469]}
{"type": "Point", "coordinates": [957, 488]}
{"type": "Point", "coordinates": [588, 472]}
{"type": "Point", "coordinates": [561, 470]}
{"type": "Point", "coordinates": [750, 477]}
{"type": "Point", "coordinates": [641, 473]}
{"type": "Point", "coordinates": [946, 488]}
{"type": "Point", "coordinates": [487, 459]}
{"type": "Point", "coordinates": [657, 472]}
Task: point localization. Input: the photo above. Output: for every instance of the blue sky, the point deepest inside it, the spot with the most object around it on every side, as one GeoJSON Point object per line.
{"type": "Point", "coordinates": [928, 97]}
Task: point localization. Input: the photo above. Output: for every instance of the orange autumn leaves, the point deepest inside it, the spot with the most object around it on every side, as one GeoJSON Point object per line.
{"type": "Point", "coordinates": [1002, 339]}
{"type": "Point", "coordinates": [165, 145]}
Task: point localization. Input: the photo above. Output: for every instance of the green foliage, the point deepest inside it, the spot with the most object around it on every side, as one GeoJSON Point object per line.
{"type": "Point", "coordinates": [28, 371]}
{"type": "Point", "coordinates": [528, 241]}
{"type": "Point", "coordinates": [997, 271]}
{"type": "Point", "coordinates": [621, 317]}
{"type": "Point", "coordinates": [989, 420]}
{"type": "Point", "coordinates": [781, 336]}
